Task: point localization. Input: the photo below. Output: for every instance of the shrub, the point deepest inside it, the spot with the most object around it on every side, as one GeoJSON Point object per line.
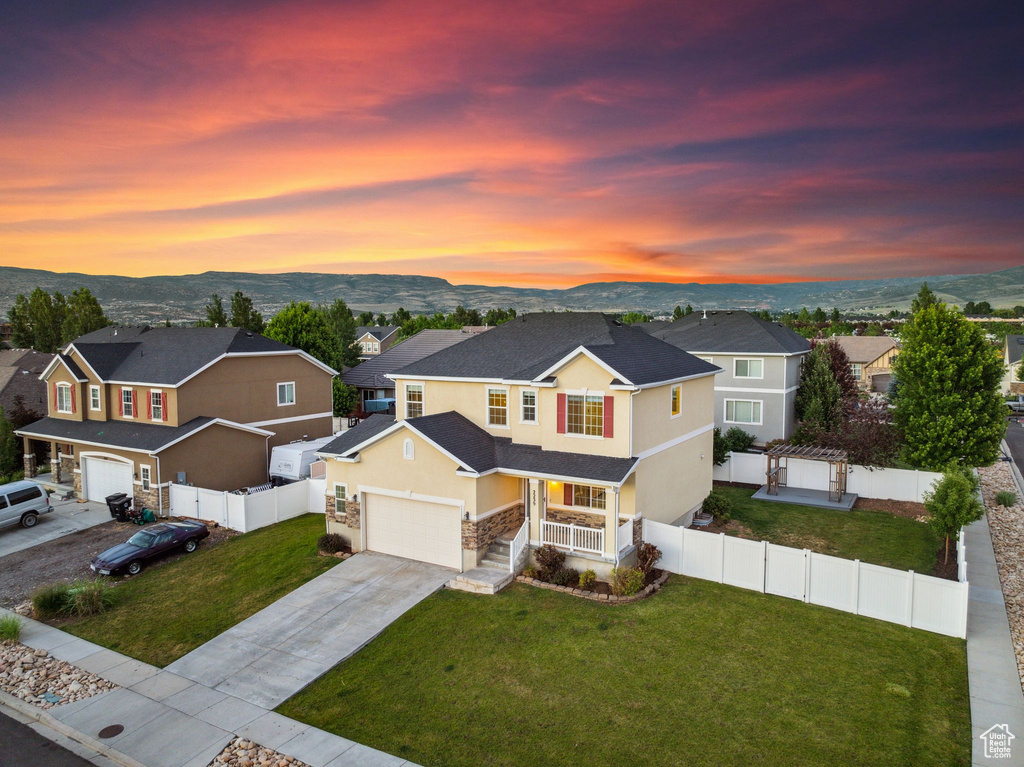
{"type": "Point", "coordinates": [717, 505]}
{"type": "Point", "coordinates": [738, 440]}
{"type": "Point", "coordinates": [10, 628]}
{"type": "Point", "coordinates": [50, 601]}
{"type": "Point", "coordinates": [1006, 498]}
{"type": "Point", "coordinates": [953, 503]}
{"type": "Point", "coordinates": [331, 543]}
{"type": "Point", "coordinates": [567, 576]}
{"type": "Point", "coordinates": [89, 598]}
{"type": "Point", "coordinates": [626, 581]}
{"type": "Point", "coordinates": [530, 571]}
{"type": "Point", "coordinates": [647, 557]}
{"type": "Point", "coordinates": [549, 561]}
{"type": "Point", "coordinates": [587, 580]}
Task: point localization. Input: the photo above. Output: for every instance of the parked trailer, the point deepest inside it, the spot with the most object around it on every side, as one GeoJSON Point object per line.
{"type": "Point", "coordinates": [290, 463]}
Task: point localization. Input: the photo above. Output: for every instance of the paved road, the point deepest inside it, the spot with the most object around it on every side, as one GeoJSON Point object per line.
{"type": "Point", "coordinates": [1015, 440]}
{"type": "Point", "coordinates": [66, 517]}
{"type": "Point", "coordinates": [21, 746]}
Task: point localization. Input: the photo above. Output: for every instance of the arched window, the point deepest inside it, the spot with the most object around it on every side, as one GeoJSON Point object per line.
{"type": "Point", "coordinates": [408, 450]}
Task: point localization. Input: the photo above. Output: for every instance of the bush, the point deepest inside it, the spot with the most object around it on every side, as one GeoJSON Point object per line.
{"type": "Point", "coordinates": [530, 571]}
{"type": "Point", "coordinates": [567, 576]}
{"type": "Point", "coordinates": [738, 440]}
{"type": "Point", "coordinates": [50, 601]}
{"type": "Point", "coordinates": [1006, 498]}
{"type": "Point", "coordinates": [10, 628]}
{"type": "Point", "coordinates": [331, 543]}
{"type": "Point", "coordinates": [89, 598]}
{"type": "Point", "coordinates": [647, 557]}
{"type": "Point", "coordinates": [717, 505]}
{"type": "Point", "coordinates": [549, 561]}
{"type": "Point", "coordinates": [587, 580]}
{"type": "Point", "coordinates": [626, 581]}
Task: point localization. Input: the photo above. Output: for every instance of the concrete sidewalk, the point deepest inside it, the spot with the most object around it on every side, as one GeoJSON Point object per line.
{"type": "Point", "coordinates": [273, 654]}
{"type": "Point", "coordinates": [995, 686]}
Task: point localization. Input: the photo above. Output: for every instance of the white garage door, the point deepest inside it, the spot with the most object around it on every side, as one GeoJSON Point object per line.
{"type": "Point", "coordinates": [102, 478]}
{"type": "Point", "coordinates": [428, 532]}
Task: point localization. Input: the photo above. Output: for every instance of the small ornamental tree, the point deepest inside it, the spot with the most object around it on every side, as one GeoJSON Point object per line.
{"type": "Point", "coordinates": [345, 397]}
{"type": "Point", "coordinates": [953, 503]}
{"type": "Point", "coordinates": [818, 402]}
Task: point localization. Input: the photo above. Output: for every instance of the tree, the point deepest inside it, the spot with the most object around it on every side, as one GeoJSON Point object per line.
{"type": "Point", "coordinates": [244, 314]}
{"type": "Point", "coordinates": [366, 319]}
{"type": "Point", "coordinates": [689, 309]}
{"type": "Point", "coordinates": [345, 397]}
{"type": "Point", "coordinates": [215, 316]}
{"type": "Point", "coordinates": [21, 332]}
{"type": "Point", "coordinates": [819, 315]}
{"type": "Point", "coordinates": [948, 405]}
{"type": "Point", "coordinates": [342, 326]}
{"type": "Point", "coordinates": [818, 404]}
{"type": "Point", "coordinates": [84, 315]}
{"type": "Point", "coordinates": [953, 503]}
{"type": "Point", "coordinates": [719, 448]}
{"type": "Point", "coordinates": [836, 316]}
{"type": "Point", "coordinates": [839, 365]}
{"type": "Point", "coordinates": [1020, 372]}
{"type": "Point", "coordinates": [401, 316]}
{"type": "Point", "coordinates": [983, 307]}
{"type": "Point", "coordinates": [302, 326]}
{"type": "Point", "coordinates": [38, 322]}
{"type": "Point", "coordinates": [495, 317]}
{"type": "Point", "coordinates": [677, 313]}
{"type": "Point", "coordinates": [632, 318]}
{"type": "Point", "coordinates": [382, 319]}
{"type": "Point", "coordinates": [804, 315]}
{"type": "Point", "coordinates": [873, 329]}
{"type": "Point", "coordinates": [923, 299]}
{"type": "Point", "coordinates": [462, 317]}
{"type": "Point", "coordinates": [869, 436]}
{"type": "Point", "coordinates": [10, 458]}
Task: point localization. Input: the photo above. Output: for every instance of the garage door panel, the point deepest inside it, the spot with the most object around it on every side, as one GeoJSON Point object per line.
{"type": "Point", "coordinates": [102, 477]}
{"type": "Point", "coordinates": [427, 532]}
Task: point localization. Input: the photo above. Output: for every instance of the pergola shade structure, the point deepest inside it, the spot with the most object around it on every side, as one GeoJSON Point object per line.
{"type": "Point", "coordinates": [778, 464]}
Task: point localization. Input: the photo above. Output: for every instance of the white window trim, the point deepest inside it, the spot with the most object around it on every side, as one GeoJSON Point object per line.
{"type": "Point", "coordinates": [99, 399]}
{"type": "Point", "coordinates": [151, 393]}
{"type": "Point", "coordinates": [134, 415]}
{"type": "Point", "coordinates": [725, 409]}
{"type": "Point", "coordinates": [748, 359]}
{"type": "Point", "coordinates": [590, 505]}
{"type": "Point", "coordinates": [64, 387]}
{"type": "Point", "coordinates": [586, 393]}
{"type": "Point", "coordinates": [405, 398]}
{"type": "Point", "coordinates": [859, 373]}
{"type": "Point", "coordinates": [145, 476]}
{"type": "Point", "coordinates": [487, 408]}
{"type": "Point", "coordinates": [672, 415]}
{"type": "Point", "coordinates": [294, 398]}
{"type": "Point", "coordinates": [536, 407]}
{"type": "Point", "coordinates": [335, 491]}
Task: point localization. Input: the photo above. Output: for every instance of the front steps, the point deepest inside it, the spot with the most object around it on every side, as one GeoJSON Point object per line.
{"type": "Point", "coordinates": [493, 574]}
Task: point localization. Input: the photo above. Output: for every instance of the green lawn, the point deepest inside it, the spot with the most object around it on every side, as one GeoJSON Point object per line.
{"type": "Point", "coordinates": [876, 537]}
{"type": "Point", "coordinates": [699, 674]}
{"type": "Point", "coordinates": [165, 612]}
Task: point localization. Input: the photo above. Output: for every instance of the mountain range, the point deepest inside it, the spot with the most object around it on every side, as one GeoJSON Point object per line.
{"type": "Point", "coordinates": [182, 298]}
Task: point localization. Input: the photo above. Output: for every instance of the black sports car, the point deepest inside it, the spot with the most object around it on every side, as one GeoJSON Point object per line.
{"type": "Point", "coordinates": [148, 544]}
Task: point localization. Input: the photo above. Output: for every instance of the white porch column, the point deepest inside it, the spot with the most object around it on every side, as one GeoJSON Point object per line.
{"type": "Point", "coordinates": [611, 526]}
{"type": "Point", "coordinates": [536, 491]}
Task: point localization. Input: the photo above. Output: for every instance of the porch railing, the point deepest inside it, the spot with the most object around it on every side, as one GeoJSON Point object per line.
{"type": "Point", "coordinates": [518, 546]}
{"type": "Point", "coordinates": [624, 535]}
{"type": "Point", "coordinates": [572, 537]}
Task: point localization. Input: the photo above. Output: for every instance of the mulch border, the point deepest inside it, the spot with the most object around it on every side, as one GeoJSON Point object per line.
{"type": "Point", "coordinates": [593, 596]}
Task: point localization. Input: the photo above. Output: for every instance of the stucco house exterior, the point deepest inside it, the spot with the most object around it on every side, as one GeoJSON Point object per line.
{"type": "Point", "coordinates": [375, 339]}
{"type": "Point", "coordinates": [1013, 347]}
{"type": "Point", "coordinates": [571, 424]}
{"type": "Point", "coordinates": [131, 409]}
{"type": "Point", "coordinates": [760, 367]}
{"type": "Point", "coordinates": [870, 359]}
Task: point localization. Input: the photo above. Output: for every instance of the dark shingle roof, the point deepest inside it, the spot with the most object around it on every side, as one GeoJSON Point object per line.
{"type": "Point", "coordinates": [366, 429]}
{"type": "Point", "coordinates": [373, 373]}
{"type": "Point", "coordinates": [527, 346]}
{"type": "Point", "coordinates": [1015, 346]}
{"type": "Point", "coordinates": [380, 332]}
{"type": "Point", "coordinates": [73, 367]}
{"type": "Point", "coordinates": [19, 377]}
{"type": "Point", "coordinates": [165, 355]}
{"type": "Point", "coordinates": [729, 332]}
{"type": "Point", "coordinates": [127, 434]}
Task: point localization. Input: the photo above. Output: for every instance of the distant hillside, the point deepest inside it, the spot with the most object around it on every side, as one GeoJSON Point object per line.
{"type": "Point", "coordinates": [182, 298]}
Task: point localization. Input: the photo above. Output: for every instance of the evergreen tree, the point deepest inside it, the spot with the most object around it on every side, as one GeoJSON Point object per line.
{"type": "Point", "coordinates": [382, 319]}
{"type": "Point", "coordinates": [948, 405]}
{"type": "Point", "coordinates": [818, 404]}
{"type": "Point", "coordinates": [804, 315]}
{"type": "Point", "coordinates": [244, 314]}
{"type": "Point", "coordinates": [689, 309]}
{"type": "Point", "coordinates": [677, 313]}
{"type": "Point", "coordinates": [215, 315]}
{"type": "Point", "coordinates": [819, 315]}
{"type": "Point", "coordinates": [401, 316]}
{"type": "Point", "coordinates": [21, 332]}
{"type": "Point", "coordinates": [836, 316]}
{"type": "Point", "coordinates": [923, 299]}
{"type": "Point", "coordinates": [366, 319]}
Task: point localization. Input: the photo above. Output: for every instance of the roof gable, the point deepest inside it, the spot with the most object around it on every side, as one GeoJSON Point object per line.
{"type": "Point", "coordinates": [864, 349]}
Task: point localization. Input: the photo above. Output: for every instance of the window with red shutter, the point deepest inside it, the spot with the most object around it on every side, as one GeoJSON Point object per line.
{"type": "Point", "coordinates": [609, 417]}
{"type": "Point", "coordinates": [567, 495]}
{"type": "Point", "coordinates": [163, 405]}
{"type": "Point", "coordinates": [561, 414]}
{"type": "Point", "coordinates": [73, 398]}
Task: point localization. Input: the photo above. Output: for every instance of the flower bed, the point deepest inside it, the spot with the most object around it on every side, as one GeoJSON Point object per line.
{"type": "Point", "coordinates": [36, 677]}
{"type": "Point", "coordinates": [660, 576]}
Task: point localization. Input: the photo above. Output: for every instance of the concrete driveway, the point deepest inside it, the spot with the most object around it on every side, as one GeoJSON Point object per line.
{"type": "Point", "coordinates": [66, 517]}
{"type": "Point", "coordinates": [273, 654]}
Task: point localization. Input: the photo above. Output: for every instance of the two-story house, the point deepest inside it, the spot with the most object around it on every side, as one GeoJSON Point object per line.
{"type": "Point", "coordinates": [760, 363]}
{"type": "Point", "coordinates": [376, 339]}
{"type": "Point", "coordinates": [870, 359]}
{"type": "Point", "coordinates": [570, 424]}
{"type": "Point", "coordinates": [133, 409]}
{"type": "Point", "coordinates": [1013, 347]}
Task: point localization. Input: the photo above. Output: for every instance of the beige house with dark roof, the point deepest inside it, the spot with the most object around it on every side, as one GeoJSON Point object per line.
{"type": "Point", "coordinates": [870, 359]}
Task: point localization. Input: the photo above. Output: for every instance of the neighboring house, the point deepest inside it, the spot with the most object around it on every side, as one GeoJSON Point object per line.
{"type": "Point", "coordinates": [5, 332]}
{"type": "Point", "coordinates": [870, 359]}
{"type": "Point", "coordinates": [1012, 349]}
{"type": "Point", "coordinates": [133, 409]}
{"type": "Point", "coordinates": [376, 390]}
{"type": "Point", "coordinates": [375, 340]}
{"type": "Point", "coordinates": [19, 377]}
{"type": "Point", "coordinates": [572, 420]}
{"type": "Point", "coordinates": [760, 363]}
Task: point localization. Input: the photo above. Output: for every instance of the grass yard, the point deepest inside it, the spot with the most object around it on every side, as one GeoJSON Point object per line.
{"type": "Point", "coordinates": [876, 537]}
{"type": "Point", "coordinates": [700, 674]}
{"type": "Point", "coordinates": [165, 612]}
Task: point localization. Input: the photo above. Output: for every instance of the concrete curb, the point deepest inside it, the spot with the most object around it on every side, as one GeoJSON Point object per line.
{"type": "Point", "coordinates": [1018, 479]}
{"type": "Point", "coordinates": [27, 709]}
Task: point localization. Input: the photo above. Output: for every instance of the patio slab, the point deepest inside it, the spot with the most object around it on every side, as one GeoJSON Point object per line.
{"type": "Point", "coordinates": [802, 496]}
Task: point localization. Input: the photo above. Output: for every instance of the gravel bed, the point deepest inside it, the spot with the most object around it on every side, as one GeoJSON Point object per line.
{"type": "Point", "coordinates": [244, 753]}
{"type": "Point", "coordinates": [40, 679]}
{"type": "Point", "coordinates": [1006, 524]}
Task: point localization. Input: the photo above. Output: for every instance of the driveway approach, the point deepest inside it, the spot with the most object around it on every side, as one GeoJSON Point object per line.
{"type": "Point", "coordinates": [67, 517]}
{"type": "Point", "coordinates": [273, 654]}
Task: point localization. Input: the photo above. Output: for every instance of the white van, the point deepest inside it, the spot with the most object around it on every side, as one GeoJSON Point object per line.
{"type": "Point", "coordinates": [290, 463]}
{"type": "Point", "coordinates": [22, 502]}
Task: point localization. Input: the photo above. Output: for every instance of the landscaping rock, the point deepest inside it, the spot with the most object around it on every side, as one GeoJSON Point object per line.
{"type": "Point", "coordinates": [245, 753]}
{"type": "Point", "coordinates": [37, 678]}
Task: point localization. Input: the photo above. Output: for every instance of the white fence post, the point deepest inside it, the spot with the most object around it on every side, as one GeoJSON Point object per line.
{"type": "Point", "coordinates": [807, 574]}
{"type": "Point", "coordinates": [856, 587]}
{"type": "Point", "coordinates": [910, 599]}
{"type": "Point", "coordinates": [721, 569]}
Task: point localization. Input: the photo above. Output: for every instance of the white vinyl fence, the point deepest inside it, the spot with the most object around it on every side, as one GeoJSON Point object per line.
{"type": "Point", "coordinates": [249, 512]}
{"type": "Point", "coordinates": [869, 482]}
{"type": "Point", "coordinates": [897, 596]}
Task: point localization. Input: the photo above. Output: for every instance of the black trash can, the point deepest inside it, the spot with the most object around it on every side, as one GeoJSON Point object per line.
{"type": "Point", "coordinates": [119, 503]}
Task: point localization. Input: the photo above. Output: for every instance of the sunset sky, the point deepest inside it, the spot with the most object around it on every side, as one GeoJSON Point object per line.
{"type": "Point", "coordinates": [520, 143]}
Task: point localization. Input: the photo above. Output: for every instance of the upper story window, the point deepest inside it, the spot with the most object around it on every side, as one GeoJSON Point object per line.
{"type": "Point", "coordinates": [497, 407]}
{"type": "Point", "coordinates": [156, 405]}
{"type": "Point", "coordinates": [748, 368]}
{"type": "Point", "coordinates": [743, 411]}
{"type": "Point", "coordinates": [128, 403]}
{"type": "Point", "coordinates": [592, 497]}
{"type": "Point", "coordinates": [94, 398]}
{"type": "Point", "coordinates": [585, 414]}
{"type": "Point", "coordinates": [413, 400]}
{"type": "Point", "coordinates": [528, 411]}
{"type": "Point", "coordinates": [286, 393]}
{"type": "Point", "coordinates": [677, 399]}
{"type": "Point", "coordinates": [65, 402]}
{"type": "Point", "coordinates": [857, 370]}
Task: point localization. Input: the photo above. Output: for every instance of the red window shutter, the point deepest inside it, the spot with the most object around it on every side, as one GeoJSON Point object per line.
{"type": "Point", "coordinates": [120, 402]}
{"type": "Point", "coordinates": [567, 492]}
{"type": "Point", "coordinates": [561, 414]}
{"type": "Point", "coordinates": [54, 396]}
{"type": "Point", "coordinates": [72, 399]}
{"type": "Point", "coordinates": [163, 405]}
{"type": "Point", "coordinates": [135, 405]}
{"type": "Point", "coordinates": [149, 405]}
{"type": "Point", "coordinates": [609, 417]}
